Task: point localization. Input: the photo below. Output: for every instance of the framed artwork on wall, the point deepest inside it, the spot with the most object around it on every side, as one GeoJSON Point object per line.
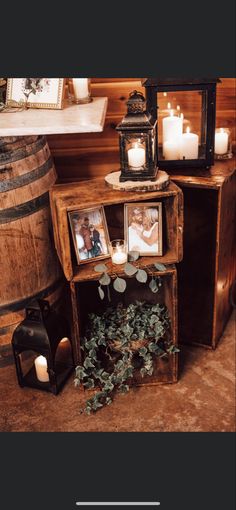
{"type": "Point", "coordinates": [36, 92]}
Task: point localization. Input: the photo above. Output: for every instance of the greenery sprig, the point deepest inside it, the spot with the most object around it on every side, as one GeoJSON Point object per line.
{"type": "Point", "coordinates": [131, 270]}
{"type": "Point", "coordinates": [118, 343]}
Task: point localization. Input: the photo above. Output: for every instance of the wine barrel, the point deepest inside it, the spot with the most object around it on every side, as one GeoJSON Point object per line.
{"type": "Point", "coordinates": [29, 267]}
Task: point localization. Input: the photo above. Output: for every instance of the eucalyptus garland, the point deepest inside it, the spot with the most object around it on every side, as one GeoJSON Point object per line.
{"type": "Point", "coordinates": [119, 342]}
{"type": "Point", "coordinates": [119, 284]}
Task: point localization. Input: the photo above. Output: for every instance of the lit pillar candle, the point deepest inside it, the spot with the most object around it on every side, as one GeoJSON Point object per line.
{"type": "Point", "coordinates": [41, 368]}
{"type": "Point", "coordinates": [171, 150]}
{"type": "Point", "coordinates": [136, 156]}
{"type": "Point", "coordinates": [172, 128]}
{"type": "Point", "coordinates": [189, 145]}
{"type": "Point", "coordinates": [221, 142]}
{"type": "Point", "coordinates": [81, 88]}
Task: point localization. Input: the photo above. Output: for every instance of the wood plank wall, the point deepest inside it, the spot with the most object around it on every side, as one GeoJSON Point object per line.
{"type": "Point", "coordinates": [92, 155]}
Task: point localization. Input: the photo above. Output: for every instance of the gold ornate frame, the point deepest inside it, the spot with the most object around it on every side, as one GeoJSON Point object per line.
{"type": "Point", "coordinates": [57, 105]}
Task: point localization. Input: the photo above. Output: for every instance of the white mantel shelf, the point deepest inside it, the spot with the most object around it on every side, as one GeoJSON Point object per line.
{"type": "Point", "coordinates": [85, 118]}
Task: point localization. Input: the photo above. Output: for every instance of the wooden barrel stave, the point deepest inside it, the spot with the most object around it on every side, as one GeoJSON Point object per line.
{"type": "Point", "coordinates": [28, 261]}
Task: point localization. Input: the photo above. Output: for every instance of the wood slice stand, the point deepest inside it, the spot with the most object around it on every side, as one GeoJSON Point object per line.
{"type": "Point", "coordinates": [162, 181]}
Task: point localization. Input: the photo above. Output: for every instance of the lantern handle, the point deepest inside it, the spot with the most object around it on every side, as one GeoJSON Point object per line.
{"type": "Point", "coordinates": [37, 310]}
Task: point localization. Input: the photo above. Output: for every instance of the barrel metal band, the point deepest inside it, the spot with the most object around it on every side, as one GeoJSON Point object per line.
{"type": "Point", "coordinates": [22, 210]}
{"type": "Point", "coordinates": [22, 153]}
{"type": "Point", "coordinates": [22, 303]}
{"type": "Point", "coordinates": [26, 178]}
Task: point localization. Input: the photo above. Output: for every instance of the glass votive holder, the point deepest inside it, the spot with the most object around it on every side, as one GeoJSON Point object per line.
{"type": "Point", "coordinates": [82, 90]}
{"type": "Point", "coordinates": [223, 143]}
{"type": "Point", "coordinates": [118, 249]}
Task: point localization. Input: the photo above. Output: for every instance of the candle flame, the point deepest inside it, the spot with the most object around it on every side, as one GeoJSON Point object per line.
{"type": "Point", "coordinates": [188, 129]}
{"type": "Point", "coordinates": [222, 130]}
{"type": "Point", "coordinates": [178, 107]}
{"type": "Point", "coordinates": [169, 106]}
{"type": "Point", "coordinates": [164, 94]}
{"type": "Point", "coordinates": [136, 145]}
{"type": "Point", "coordinates": [182, 116]}
{"type": "Point", "coordinates": [172, 113]}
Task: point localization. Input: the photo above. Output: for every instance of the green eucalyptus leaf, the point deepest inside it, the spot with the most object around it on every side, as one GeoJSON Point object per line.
{"type": "Point", "coordinates": [124, 388]}
{"type": "Point", "coordinates": [153, 286]}
{"type": "Point", "coordinates": [129, 269]}
{"type": "Point", "coordinates": [133, 256]}
{"type": "Point", "coordinates": [89, 384]}
{"type": "Point", "coordinates": [80, 372]}
{"type": "Point", "coordinates": [101, 292]}
{"type": "Point", "coordinates": [88, 363]}
{"type": "Point", "coordinates": [119, 284]}
{"type": "Point", "coordinates": [105, 279]}
{"type": "Point", "coordinates": [160, 267]}
{"type": "Point", "coordinates": [109, 386]}
{"type": "Point", "coordinates": [143, 351]}
{"type": "Point", "coordinates": [141, 276]}
{"type": "Point", "coordinates": [100, 268]}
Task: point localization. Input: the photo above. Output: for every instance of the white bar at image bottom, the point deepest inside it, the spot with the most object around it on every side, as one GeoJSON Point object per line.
{"type": "Point", "coordinates": [116, 503]}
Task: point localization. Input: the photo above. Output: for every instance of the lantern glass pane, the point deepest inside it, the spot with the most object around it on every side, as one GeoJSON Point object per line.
{"type": "Point", "coordinates": [182, 122]}
{"type": "Point", "coordinates": [136, 151]}
{"type": "Point", "coordinates": [27, 359]}
{"type": "Point", "coordinates": [63, 354]}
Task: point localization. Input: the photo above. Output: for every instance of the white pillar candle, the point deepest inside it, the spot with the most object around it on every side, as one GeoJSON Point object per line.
{"type": "Point", "coordinates": [221, 142]}
{"type": "Point", "coordinates": [172, 128]}
{"type": "Point", "coordinates": [189, 145]}
{"type": "Point", "coordinates": [81, 88]}
{"type": "Point", "coordinates": [136, 156]}
{"type": "Point", "coordinates": [41, 368]}
{"type": "Point", "coordinates": [119, 258]}
{"type": "Point", "coordinates": [171, 150]}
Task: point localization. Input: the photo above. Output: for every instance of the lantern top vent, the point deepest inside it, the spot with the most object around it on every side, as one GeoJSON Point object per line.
{"type": "Point", "coordinates": [136, 103]}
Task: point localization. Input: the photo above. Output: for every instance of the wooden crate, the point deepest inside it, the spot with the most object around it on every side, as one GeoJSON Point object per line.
{"type": "Point", "coordinates": [94, 192]}
{"type": "Point", "coordinates": [207, 272]}
{"type": "Point", "coordinates": [85, 300]}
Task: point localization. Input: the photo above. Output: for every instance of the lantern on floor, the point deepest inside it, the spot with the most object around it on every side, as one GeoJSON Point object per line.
{"type": "Point", "coordinates": [185, 111]}
{"type": "Point", "coordinates": [137, 140]}
{"type": "Point", "coordinates": [42, 349]}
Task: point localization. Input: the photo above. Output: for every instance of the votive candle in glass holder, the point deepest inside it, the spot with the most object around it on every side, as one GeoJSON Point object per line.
{"type": "Point", "coordinates": [118, 251]}
{"type": "Point", "coordinates": [223, 144]}
{"type": "Point", "coordinates": [82, 90]}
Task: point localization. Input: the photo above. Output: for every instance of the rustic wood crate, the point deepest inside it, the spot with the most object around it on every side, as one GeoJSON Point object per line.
{"type": "Point", "coordinates": [208, 270]}
{"type": "Point", "coordinates": [94, 192]}
{"type": "Point", "coordinates": [85, 300]}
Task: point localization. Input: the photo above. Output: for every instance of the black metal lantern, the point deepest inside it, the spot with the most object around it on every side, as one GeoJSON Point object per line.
{"type": "Point", "coordinates": [42, 348]}
{"type": "Point", "coordinates": [137, 138]}
{"type": "Point", "coordinates": [185, 111]}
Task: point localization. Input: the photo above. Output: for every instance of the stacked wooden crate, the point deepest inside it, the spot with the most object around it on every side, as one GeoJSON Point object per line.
{"type": "Point", "coordinates": [84, 280]}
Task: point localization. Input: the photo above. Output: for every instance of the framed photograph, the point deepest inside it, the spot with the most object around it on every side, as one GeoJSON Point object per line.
{"type": "Point", "coordinates": [90, 234]}
{"type": "Point", "coordinates": [143, 227]}
{"type": "Point", "coordinates": [36, 92]}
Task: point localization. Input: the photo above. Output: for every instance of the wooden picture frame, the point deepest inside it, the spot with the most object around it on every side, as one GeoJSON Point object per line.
{"type": "Point", "coordinates": [137, 237]}
{"type": "Point", "coordinates": [91, 246]}
{"type": "Point", "coordinates": [36, 92]}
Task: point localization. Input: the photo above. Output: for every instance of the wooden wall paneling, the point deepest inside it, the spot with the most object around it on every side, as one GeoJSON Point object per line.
{"type": "Point", "coordinates": [92, 155]}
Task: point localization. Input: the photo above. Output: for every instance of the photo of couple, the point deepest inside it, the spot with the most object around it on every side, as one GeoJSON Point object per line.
{"type": "Point", "coordinates": [143, 228]}
{"type": "Point", "coordinates": [89, 234]}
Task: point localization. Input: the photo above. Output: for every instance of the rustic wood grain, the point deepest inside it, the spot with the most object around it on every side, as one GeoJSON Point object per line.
{"type": "Point", "coordinates": [161, 182]}
{"type": "Point", "coordinates": [28, 260]}
{"type": "Point", "coordinates": [207, 271]}
{"type": "Point", "coordinates": [86, 300]}
{"type": "Point", "coordinates": [92, 193]}
{"type": "Point", "coordinates": [98, 154]}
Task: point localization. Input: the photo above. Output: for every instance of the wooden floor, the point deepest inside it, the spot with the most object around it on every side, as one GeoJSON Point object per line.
{"type": "Point", "coordinates": [202, 400]}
